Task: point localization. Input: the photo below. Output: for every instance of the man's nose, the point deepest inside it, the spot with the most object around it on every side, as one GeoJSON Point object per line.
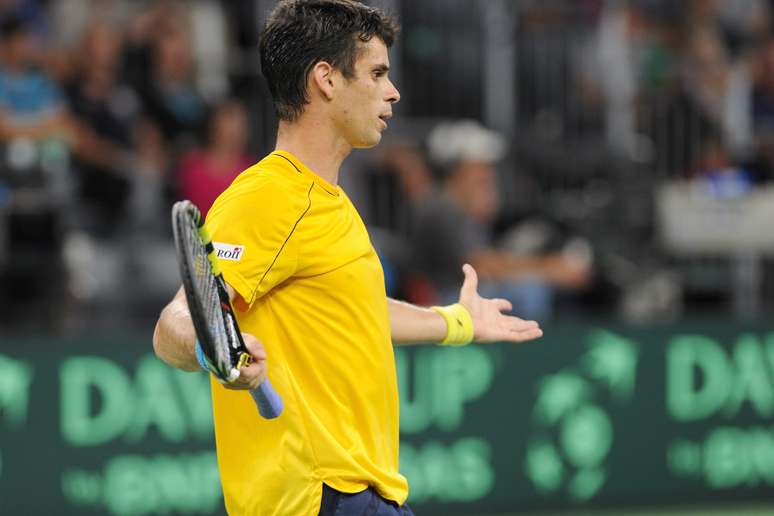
{"type": "Point", "coordinates": [393, 95]}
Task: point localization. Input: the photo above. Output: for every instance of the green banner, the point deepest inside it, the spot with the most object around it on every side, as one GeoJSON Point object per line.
{"type": "Point", "coordinates": [589, 416]}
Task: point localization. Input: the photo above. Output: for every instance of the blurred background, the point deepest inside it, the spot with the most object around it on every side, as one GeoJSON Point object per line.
{"type": "Point", "coordinates": [607, 165]}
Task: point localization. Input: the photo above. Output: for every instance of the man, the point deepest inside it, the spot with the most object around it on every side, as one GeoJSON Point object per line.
{"type": "Point", "coordinates": [308, 287]}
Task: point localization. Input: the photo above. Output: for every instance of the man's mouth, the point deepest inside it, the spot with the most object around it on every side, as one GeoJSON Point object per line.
{"type": "Point", "coordinates": [384, 117]}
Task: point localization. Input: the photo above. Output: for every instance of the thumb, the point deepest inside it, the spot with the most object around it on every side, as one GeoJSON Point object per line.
{"type": "Point", "coordinates": [470, 284]}
{"type": "Point", "coordinates": [254, 347]}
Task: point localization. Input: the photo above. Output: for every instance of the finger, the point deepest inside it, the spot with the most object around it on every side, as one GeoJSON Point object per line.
{"type": "Point", "coordinates": [525, 335]}
{"type": "Point", "coordinates": [252, 368]}
{"type": "Point", "coordinates": [250, 376]}
{"type": "Point", "coordinates": [470, 284]}
{"type": "Point", "coordinates": [254, 347]}
{"type": "Point", "coordinates": [258, 354]}
{"type": "Point", "coordinates": [236, 386]}
{"type": "Point", "coordinates": [253, 375]}
{"type": "Point", "coordinates": [516, 324]}
{"type": "Point", "coordinates": [503, 305]}
{"type": "Point", "coordinates": [229, 375]}
{"type": "Point", "coordinates": [241, 385]}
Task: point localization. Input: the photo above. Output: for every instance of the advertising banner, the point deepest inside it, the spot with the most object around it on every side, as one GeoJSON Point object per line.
{"type": "Point", "coordinates": [589, 416]}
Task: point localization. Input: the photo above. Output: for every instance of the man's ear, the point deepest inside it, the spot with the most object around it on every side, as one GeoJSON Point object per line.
{"type": "Point", "coordinates": [322, 78]}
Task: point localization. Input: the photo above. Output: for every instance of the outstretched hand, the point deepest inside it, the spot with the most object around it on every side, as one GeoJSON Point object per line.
{"type": "Point", "coordinates": [489, 321]}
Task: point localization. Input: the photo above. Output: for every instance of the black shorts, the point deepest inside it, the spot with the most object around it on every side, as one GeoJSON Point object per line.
{"type": "Point", "coordinates": [364, 503]}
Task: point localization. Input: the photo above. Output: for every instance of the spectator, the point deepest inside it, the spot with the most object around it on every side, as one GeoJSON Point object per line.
{"type": "Point", "coordinates": [719, 87]}
{"type": "Point", "coordinates": [205, 173]}
{"type": "Point", "coordinates": [106, 111]}
{"type": "Point", "coordinates": [162, 69]}
{"type": "Point", "coordinates": [31, 104]}
{"type": "Point", "coordinates": [763, 113]}
{"type": "Point", "coordinates": [71, 18]}
{"type": "Point", "coordinates": [454, 226]}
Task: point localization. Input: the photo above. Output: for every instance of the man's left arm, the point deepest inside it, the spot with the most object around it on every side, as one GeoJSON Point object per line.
{"type": "Point", "coordinates": [412, 324]}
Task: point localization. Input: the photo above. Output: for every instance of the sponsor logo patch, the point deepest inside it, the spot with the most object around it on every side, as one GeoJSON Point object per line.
{"type": "Point", "coordinates": [232, 252]}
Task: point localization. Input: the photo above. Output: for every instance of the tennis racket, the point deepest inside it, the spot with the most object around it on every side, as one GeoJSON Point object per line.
{"type": "Point", "coordinates": [210, 307]}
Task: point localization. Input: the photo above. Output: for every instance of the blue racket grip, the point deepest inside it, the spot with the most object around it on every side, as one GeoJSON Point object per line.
{"type": "Point", "coordinates": [269, 402]}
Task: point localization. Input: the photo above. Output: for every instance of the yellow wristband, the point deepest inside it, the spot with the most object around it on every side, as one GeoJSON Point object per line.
{"type": "Point", "coordinates": [459, 324]}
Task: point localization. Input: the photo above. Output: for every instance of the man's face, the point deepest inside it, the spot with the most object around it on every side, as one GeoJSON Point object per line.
{"type": "Point", "coordinates": [363, 103]}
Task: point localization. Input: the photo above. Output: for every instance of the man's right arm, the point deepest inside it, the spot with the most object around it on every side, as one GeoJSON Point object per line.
{"type": "Point", "coordinates": [175, 338]}
{"type": "Point", "coordinates": [174, 342]}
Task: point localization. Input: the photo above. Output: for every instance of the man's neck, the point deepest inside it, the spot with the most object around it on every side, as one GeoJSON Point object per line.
{"type": "Point", "coordinates": [316, 145]}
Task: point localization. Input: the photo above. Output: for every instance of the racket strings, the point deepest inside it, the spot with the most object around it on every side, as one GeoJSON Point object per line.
{"type": "Point", "coordinates": [207, 291]}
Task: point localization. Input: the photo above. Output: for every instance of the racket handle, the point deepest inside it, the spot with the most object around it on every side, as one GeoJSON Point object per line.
{"type": "Point", "coordinates": [269, 402]}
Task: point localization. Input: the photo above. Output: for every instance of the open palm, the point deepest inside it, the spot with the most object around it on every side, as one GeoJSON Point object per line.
{"type": "Point", "coordinates": [489, 321]}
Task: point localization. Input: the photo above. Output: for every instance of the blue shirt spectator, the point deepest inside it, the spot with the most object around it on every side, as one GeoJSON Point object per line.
{"type": "Point", "coordinates": [28, 95]}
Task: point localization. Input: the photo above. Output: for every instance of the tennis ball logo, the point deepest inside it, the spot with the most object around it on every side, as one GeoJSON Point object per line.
{"type": "Point", "coordinates": [586, 436]}
{"type": "Point", "coordinates": [572, 434]}
{"type": "Point", "coordinates": [573, 454]}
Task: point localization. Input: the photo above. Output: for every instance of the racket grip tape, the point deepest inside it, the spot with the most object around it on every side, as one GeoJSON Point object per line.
{"type": "Point", "coordinates": [269, 402]}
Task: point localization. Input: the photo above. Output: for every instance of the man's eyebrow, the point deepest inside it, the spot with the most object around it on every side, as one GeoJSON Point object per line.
{"type": "Point", "coordinates": [381, 68]}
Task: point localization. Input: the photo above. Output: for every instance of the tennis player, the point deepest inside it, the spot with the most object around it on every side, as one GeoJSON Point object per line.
{"type": "Point", "coordinates": [308, 287]}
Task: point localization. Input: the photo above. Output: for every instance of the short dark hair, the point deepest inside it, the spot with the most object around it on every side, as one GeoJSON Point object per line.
{"type": "Point", "coordinates": [301, 33]}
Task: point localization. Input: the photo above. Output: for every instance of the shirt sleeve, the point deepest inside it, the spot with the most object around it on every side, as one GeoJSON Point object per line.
{"type": "Point", "coordinates": [253, 236]}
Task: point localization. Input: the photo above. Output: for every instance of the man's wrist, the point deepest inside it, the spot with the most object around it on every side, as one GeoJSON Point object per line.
{"type": "Point", "coordinates": [459, 324]}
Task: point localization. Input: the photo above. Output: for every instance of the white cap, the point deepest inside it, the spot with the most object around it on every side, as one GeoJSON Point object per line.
{"type": "Point", "coordinates": [453, 141]}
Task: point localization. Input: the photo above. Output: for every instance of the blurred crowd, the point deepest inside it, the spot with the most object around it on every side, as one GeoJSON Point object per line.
{"type": "Point", "coordinates": [612, 104]}
{"type": "Point", "coordinates": [112, 109]}
{"type": "Point", "coordinates": [109, 111]}
{"type": "Point", "coordinates": [698, 72]}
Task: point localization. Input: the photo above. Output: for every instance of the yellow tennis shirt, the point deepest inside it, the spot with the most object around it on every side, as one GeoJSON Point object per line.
{"type": "Point", "coordinates": [311, 289]}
